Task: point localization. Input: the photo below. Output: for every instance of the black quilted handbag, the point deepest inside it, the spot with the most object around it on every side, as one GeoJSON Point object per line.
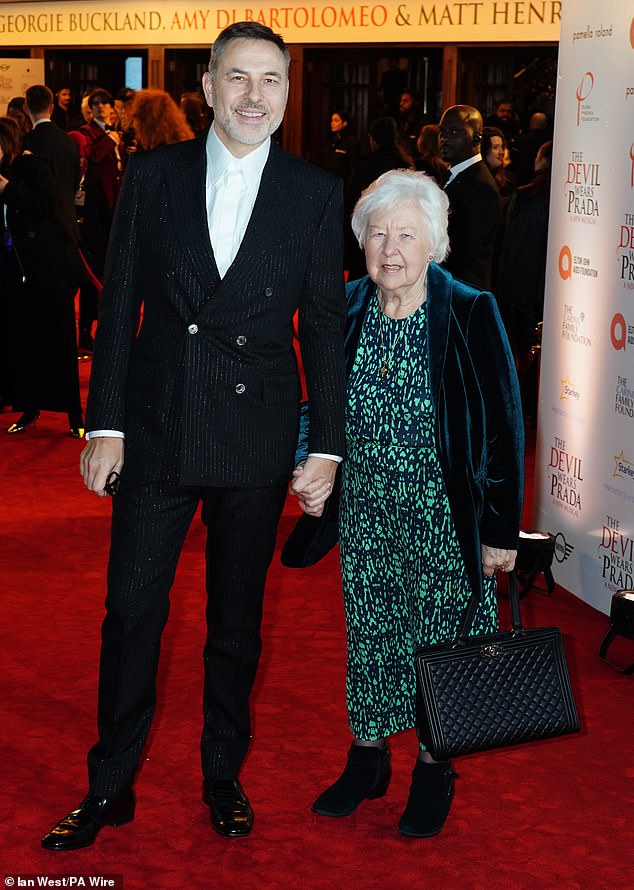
{"type": "Point", "coordinates": [482, 692]}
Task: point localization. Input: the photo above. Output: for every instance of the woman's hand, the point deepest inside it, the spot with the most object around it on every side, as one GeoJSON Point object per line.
{"type": "Point", "coordinates": [494, 558]}
{"type": "Point", "coordinates": [312, 483]}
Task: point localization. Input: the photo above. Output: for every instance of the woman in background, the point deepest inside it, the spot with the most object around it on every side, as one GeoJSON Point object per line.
{"type": "Point", "coordinates": [429, 160]}
{"type": "Point", "coordinates": [494, 151]}
{"type": "Point", "coordinates": [157, 120]}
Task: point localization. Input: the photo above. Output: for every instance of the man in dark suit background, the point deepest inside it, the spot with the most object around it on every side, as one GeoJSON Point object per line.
{"type": "Point", "coordinates": [222, 238]}
{"type": "Point", "coordinates": [475, 214]}
{"type": "Point", "coordinates": [49, 141]}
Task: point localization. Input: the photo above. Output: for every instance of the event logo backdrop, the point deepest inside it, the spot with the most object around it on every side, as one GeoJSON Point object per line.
{"type": "Point", "coordinates": [584, 490]}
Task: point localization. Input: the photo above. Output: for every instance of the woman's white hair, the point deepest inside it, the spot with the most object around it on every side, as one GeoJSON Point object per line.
{"type": "Point", "coordinates": [396, 187]}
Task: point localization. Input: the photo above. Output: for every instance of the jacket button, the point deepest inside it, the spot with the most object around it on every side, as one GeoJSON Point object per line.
{"type": "Point", "coordinates": [241, 340]}
{"type": "Point", "coordinates": [268, 291]}
{"type": "Point", "coordinates": [193, 329]}
{"type": "Point", "coordinates": [170, 273]}
{"type": "Point", "coordinates": [240, 388]}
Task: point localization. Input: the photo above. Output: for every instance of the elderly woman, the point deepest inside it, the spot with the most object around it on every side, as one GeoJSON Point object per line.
{"type": "Point", "coordinates": [431, 486]}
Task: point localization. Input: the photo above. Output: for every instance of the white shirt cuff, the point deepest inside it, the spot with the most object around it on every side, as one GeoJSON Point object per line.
{"type": "Point", "coordinates": [334, 457]}
{"type": "Point", "coordinates": [97, 434]}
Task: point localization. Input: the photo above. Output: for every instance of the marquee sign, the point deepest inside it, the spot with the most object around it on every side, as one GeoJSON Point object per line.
{"type": "Point", "coordinates": [168, 22]}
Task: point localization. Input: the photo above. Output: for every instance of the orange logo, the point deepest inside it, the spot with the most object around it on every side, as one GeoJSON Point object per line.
{"type": "Point", "coordinates": [583, 91]}
{"type": "Point", "coordinates": [618, 331]}
{"type": "Point", "coordinates": [565, 262]}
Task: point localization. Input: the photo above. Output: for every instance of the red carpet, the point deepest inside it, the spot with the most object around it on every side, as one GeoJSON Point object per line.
{"type": "Point", "coordinates": [551, 815]}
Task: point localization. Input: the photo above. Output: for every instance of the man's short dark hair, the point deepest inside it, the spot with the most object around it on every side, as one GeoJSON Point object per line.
{"type": "Point", "coordinates": [39, 98]}
{"type": "Point", "coordinates": [244, 31]}
{"type": "Point", "coordinates": [101, 95]}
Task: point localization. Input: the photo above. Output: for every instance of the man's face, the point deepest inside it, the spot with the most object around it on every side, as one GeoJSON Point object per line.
{"type": "Point", "coordinates": [63, 98]}
{"type": "Point", "coordinates": [505, 111]}
{"type": "Point", "coordinates": [248, 94]}
{"type": "Point", "coordinates": [406, 103]}
{"type": "Point", "coordinates": [456, 137]}
{"type": "Point", "coordinates": [101, 111]}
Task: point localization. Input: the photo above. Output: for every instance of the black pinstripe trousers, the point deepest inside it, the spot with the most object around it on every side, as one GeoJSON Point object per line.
{"type": "Point", "coordinates": [149, 525]}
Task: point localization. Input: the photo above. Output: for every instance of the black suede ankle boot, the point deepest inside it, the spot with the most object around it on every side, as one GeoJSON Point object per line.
{"type": "Point", "coordinates": [366, 776]}
{"type": "Point", "coordinates": [429, 799]}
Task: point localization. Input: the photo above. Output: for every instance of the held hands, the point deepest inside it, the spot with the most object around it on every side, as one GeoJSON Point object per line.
{"type": "Point", "coordinates": [494, 558]}
{"type": "Point", "coordinates": [98, 460]}
{"type": "Point", "coordinates": [312, 483]}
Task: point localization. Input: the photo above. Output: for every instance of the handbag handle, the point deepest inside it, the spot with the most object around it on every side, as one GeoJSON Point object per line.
{"type": "Point", "coordinates": [467, 620]}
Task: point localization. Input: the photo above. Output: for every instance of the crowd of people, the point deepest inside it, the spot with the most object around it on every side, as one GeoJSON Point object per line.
{"type": "Point", "coordinates": [61, 175]}
{"type": "Point", "coordinates": [200, 254]}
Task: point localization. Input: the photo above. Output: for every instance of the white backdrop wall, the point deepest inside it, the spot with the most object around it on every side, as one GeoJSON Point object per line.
{"type": "Point", "coordinates": [16, 76]}
{"type": "Point", "coordinates": [584, 492]}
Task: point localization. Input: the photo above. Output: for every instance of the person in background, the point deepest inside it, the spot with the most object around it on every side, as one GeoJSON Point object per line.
{"type": "Point", "coordinates": [40, 270]}
{"type": "Point", "coordinates": [429, 159]}
{"type": "Point", "coordinates": [17, 111]}
{"type": "Point", "coordinates": [49, 141]}
{"type": "Point", "coordinates": [123, 107]}
{"type": "Point", "coordinates": [344, 150]}
{"type": "Point", "coordinates": [391, 86]}
{"type": "Point", "coordinates": [494, 154]}
{"type": "Point", "coordinates": [104, 144]}
{"type": "Point", "coordinates": [410, 121]}
{"type": "Point", "coordinates": [505, 119]}
{"type": "Point", "coordinates": [476, 209]}
{"type": "Point", "coordinates": [106, 154]}
{"type": "Point", "coordinates": [157, 120]}
{"type": "Point", "coordinates": [64, 114]}
{"type": "Point", "coordinates": [85, 109]}
{"type": "Point", "coordinates": [196, 111]}
{"type": "Point", "coordinates": [527, 145]}
{"type": "Point", "coordinates": [524, 248]}
{"type": "Point", "coordinates": [432, 484]}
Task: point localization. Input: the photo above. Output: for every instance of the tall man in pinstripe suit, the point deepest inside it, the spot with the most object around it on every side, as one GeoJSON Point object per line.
{"type": "Point", "coordinates": [221, 239]}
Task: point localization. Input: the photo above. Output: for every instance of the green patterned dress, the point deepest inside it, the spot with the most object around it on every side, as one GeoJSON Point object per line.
{"type": "Point", "coordinates": [404, 580]}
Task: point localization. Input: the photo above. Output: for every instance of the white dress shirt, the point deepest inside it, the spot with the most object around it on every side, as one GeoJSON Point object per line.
{"type": "Point", "coordinates": [231, 187]}
{"type": "Point", "coordinates": [455, 169]}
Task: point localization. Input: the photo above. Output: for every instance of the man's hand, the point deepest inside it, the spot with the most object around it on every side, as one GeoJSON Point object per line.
{"type": "Point", "coordinates": [494, 558]}
{"type": "Point", "coordinates": [312, 483]}
{"type": "Point", "coordinates": [98, 460]}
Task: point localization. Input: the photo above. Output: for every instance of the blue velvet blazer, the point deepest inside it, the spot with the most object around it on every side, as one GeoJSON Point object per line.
{"type": "Point", "coordinates": [479, 430]}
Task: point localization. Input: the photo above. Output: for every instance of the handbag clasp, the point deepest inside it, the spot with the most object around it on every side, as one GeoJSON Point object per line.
{"type": "Point", "coordinates": [494, 650]}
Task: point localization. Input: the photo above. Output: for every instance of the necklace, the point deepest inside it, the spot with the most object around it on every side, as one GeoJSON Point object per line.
{"type": "Point", "coordinates": [384, 369]}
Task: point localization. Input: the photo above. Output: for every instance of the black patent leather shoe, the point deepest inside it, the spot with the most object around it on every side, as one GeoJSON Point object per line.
{"type": "Point", "coordinates": [80, 828]}
{"type": "Point", "coordinates": [231, 813]}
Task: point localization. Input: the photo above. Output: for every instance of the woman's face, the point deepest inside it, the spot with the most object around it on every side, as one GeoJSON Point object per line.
{"type": "Point", "coordinates": [495, 154]}
{"type": "Point", "coordinates": [337, 123]}
{"type": "Point", "coordinates": [397, 249]}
